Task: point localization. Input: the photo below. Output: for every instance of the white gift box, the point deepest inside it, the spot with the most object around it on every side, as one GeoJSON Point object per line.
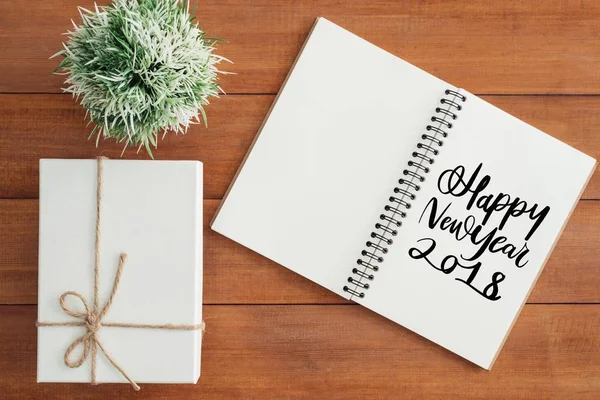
{"type": "Point", "coordinates": [150, 210]}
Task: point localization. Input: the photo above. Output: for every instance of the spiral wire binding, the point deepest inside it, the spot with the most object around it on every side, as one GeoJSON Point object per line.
{"type": "Point", "coordinates": [404, 193]}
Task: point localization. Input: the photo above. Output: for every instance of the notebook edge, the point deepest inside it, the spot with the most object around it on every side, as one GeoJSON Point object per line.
{"type": "Point", "coordinates": [262, 125]}
{"type": "Point", "coordinates": [566, 221]}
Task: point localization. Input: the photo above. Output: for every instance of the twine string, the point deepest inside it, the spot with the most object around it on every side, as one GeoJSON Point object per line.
{"type": "Point", "coordinates": [92, 318]}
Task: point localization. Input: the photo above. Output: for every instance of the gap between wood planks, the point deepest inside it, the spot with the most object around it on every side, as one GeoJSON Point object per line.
{"type": "Point", "coordinates": [307, 304]}
{"type": "Point", "coordinates": [275, 93]}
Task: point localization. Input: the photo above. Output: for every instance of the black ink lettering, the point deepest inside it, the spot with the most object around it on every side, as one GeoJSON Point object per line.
{"type": "Point", "coordinates": [455, 183]}
{"type": "Point", "coordinates": [449, 265]}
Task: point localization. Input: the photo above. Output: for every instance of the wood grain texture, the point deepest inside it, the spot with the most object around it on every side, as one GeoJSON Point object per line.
{"type": "Point", "coordinates": [236, 275]}
{"type": "Point", "coordinates": [53, 126]}
{"type": "Point", "coordinates": [260, 343]}
{"type": "Point", "coordinates": [546, 46]}
{"type": "Point", "coordinates": [341, 352]}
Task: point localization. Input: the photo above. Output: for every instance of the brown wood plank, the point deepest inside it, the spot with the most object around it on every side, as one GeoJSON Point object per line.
{"type": "Point", "coordinates": [53, 126]}
{"type": "Point", "coordinates": [232, 273]}
{"type": "Point", "coordinates": [512, 47]}
{"type": "Point", "coordinates": [341, 352]}
{"type": "Point", "coordinates": [236, 275]}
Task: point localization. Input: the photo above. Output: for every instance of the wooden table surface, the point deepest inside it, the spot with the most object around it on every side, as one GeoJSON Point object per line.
{"type": "Point", "coordinates": [271, 333]}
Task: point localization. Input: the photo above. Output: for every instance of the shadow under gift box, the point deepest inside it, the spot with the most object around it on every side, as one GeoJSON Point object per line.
{"type": "Point", "coordinates": [150, 210]}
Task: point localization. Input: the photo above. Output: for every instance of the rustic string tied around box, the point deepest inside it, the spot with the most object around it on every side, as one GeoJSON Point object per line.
{"type": "Point", "coordinates": [92, 318]}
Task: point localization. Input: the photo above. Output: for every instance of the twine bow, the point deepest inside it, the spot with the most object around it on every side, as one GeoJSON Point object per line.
{"type": "Point", "coordinates": [92, 318]}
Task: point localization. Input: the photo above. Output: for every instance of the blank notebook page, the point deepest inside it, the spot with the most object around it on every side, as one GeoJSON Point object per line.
{"type": "Point", "coordinates": [338, 136]}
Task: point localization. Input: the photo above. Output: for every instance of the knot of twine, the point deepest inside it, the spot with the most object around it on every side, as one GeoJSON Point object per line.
{"type": "Point", "coordinates": [92, 317]}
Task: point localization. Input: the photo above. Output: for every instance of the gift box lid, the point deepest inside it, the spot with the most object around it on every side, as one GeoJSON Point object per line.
{"type": "Point", "coordinates": [150, 210]}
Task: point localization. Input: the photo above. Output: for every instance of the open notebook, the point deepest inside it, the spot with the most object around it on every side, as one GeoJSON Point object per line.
{"type": "Point", "coordinates": [399, 191]}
